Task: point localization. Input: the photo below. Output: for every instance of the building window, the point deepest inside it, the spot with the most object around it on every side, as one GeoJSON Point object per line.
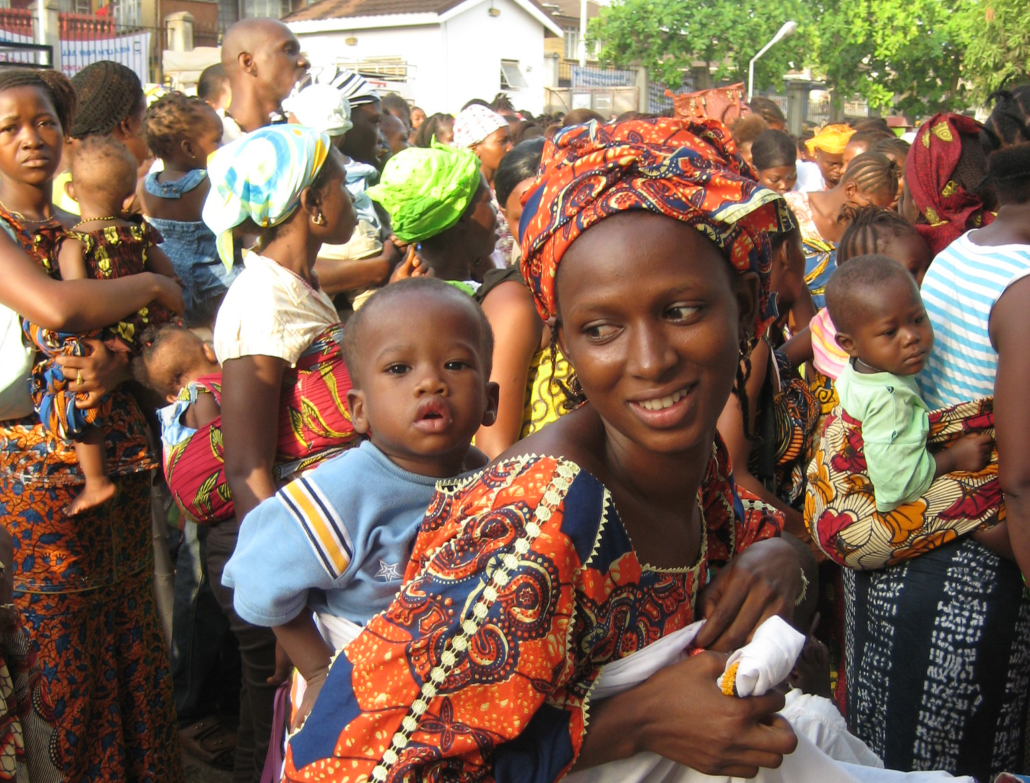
{"type": "Point", "coordinates": [128, 12]}
{"type": "Point", "coordinates": [571, 43]}
{"type": "Point", "coordinates": [266, 8]}
{"type": "Point", "coordinates": [511, 76]}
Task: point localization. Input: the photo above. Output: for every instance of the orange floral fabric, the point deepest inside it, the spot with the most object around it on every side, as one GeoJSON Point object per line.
{"type": "Point", "coordinates": [840, 510]}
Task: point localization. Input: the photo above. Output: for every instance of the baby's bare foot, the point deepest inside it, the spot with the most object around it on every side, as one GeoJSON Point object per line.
{"type": "Point", "coordinates": [95, 493]}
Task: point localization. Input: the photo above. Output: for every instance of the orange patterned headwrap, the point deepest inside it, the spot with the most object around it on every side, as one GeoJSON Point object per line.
{"type": "Point", "coordinates": [683, 169]}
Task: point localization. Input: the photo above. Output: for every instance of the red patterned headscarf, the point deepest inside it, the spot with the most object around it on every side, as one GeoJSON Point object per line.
{"type": "Point", "coordinates": [685, 169]}
{"type": "Point", "coordinates": [933, 178]}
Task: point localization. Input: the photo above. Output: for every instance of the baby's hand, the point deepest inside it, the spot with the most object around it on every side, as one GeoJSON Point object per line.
{"type": "Point", "coordinates": [311, 691]}
{"type": "Point", "coordinates": [972, 452]}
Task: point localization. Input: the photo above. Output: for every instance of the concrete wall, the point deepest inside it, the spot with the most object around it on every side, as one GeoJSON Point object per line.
{"type": "Point", "coordinates": [449, 63]}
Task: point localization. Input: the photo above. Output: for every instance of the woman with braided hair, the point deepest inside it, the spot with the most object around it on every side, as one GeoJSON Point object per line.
{"type": "Point", "coordinates": [84, 584]}
{"type": "Point", "coordinates": [871, 179]}
{"type": "Point", "coordinates": [1009, 122]}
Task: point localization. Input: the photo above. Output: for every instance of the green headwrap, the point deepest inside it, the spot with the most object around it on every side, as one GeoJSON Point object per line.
{"type": "Point", "coordinates": [427, 190]}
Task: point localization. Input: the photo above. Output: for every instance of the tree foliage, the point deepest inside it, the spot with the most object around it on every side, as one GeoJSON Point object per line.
{"type": "Point", "coordinates": [671, 36]}
{"type": "Point", "coordinates": [901, 55]}
{"type": "Point", "coordinates": [998, 51]}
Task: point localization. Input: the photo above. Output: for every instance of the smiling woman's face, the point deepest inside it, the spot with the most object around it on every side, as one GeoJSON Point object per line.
{"type": "Point", "coordinates": [651, 318]}
{"type": "Point", "coordinates": [31, 138]}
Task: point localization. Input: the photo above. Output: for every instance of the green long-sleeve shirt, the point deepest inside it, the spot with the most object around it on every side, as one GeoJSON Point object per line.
{"type": "Point", "coordinates": [895, 423]}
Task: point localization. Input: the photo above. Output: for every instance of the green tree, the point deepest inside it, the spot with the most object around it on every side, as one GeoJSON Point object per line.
{"type": "Point", "coordinates": [998, 51]}
{"type": "Point", "coordinates": [901, 55]}
{"type": "Point", "coordinates": [670, 36]}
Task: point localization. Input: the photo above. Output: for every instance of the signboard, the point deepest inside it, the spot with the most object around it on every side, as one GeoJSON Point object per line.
{"type": "Point", "coordinates": [132, 51]}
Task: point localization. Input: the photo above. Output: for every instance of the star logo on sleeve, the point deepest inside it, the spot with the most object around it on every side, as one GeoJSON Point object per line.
{"type": "Point", "coordinates": [387, 571]}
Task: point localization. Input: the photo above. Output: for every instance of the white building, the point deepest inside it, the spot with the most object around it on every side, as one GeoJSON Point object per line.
{"type": "Point", "coordinates": [437, 53]}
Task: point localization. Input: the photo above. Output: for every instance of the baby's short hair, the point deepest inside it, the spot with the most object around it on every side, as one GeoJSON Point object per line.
{"type": "Point", "coordinates": [851, 285]}
{"type": "Point", "coordinates": [182, 346]}
{"type": "Point", "coordinates": [416, 286]}
{"type": "Point", "coordinates": [100, 164]}
{"type": "Point", "coordinates": [172, 118]}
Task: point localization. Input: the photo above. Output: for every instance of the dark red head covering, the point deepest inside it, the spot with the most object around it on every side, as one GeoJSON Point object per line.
{"type": "Point", "coordinates": [680, 168]}
{"type": "Point", "coordinates": [949, 208]}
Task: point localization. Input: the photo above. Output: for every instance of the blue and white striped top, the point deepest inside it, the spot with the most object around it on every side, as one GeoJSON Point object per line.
{"type": "Point", "coordinates": [959, 292]}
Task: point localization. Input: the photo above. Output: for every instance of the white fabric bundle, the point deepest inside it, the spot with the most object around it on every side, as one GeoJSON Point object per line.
{"type": "Point", "coordinates": [763, 664]}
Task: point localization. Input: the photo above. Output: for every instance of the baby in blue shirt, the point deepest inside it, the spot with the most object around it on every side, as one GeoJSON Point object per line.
{"type": "Point", "coordinates": [338, 539]}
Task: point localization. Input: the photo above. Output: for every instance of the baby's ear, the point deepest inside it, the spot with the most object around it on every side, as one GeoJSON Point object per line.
{"type": "Point", "coordinates": [493, 395]}
{"type": "Point", "coordinates": [847, 344]}
{"type": "Point", "coordinates": [356, 407]}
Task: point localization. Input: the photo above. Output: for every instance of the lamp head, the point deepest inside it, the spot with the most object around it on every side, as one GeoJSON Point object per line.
{"type": "Point", "coordinates": [788, 29]}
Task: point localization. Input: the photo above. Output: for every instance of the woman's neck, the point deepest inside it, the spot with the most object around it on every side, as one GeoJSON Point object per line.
{"type": "Point", "coordinates": [826, 207]}
{"type": "Point", "coordinates": [667, 481]}
{"type": "Point", "coordinates": [33, 202]}
{"type": "Point", "coordinates": [488, 173]}
{"type": "Point", "coordinates": [296, 251]}
{"type": "Point", "coordinates": [1010, 227]}
{"type": "Point", "coordinates": [448, 262]}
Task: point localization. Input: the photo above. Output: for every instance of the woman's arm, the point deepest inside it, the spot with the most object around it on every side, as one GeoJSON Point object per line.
{"type": "Point", "coordinates": [517, 329]}
{"type": "Point", "coordinates": [336, 276]}
{"type": "Point", "coordinates": [76, 305]}
{"type": "Point", "coordinates": [799, 348]}
{"type": "Point", "coordinates": [1009, 327]}
{"type": "Point", "coordinates": [250, 422]}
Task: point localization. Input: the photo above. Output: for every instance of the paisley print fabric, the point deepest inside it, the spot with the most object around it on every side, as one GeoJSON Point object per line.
{"type": "Point", "coordinates": [313, 425]}
{"type": "Point", "coordinates": [683, 169]}
{"type": "Point", "coordinates": [26, 714]}
{"type": "Point", "coordinates": [840, 510]}
{"type": "Point", "coordinates": [523, 583]}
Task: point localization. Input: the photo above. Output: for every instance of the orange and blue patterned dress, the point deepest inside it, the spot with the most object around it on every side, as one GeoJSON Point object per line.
{"type": "Point", "coordinates": [84, 588]}
{"type": "Point", "coordinates": [522, 585]}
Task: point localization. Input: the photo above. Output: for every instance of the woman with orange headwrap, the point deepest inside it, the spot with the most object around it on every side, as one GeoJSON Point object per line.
{"type": "Point", "coordinates": [576, 548]}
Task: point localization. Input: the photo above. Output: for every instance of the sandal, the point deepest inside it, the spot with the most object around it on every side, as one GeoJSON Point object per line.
{"type": "Point", "coordinates": [211, 742]}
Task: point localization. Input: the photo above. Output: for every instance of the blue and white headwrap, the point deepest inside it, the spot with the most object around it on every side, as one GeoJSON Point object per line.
{"type": "Point", "coordinates": [260, 177]}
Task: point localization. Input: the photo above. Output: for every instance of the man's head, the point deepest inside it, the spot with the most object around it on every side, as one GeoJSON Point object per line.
{"type": "Point", "coordinates": [396, 133]}
{"type": "Point", "coordinates": [262, 58]}
{"type": "Point", "coordinates": [421, 382]}
{"type": "Point", "coordinates": [213, 87]}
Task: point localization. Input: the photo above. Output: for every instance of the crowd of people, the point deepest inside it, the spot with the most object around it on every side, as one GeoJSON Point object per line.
{"type": "Point", "coordinates": [344, 441]}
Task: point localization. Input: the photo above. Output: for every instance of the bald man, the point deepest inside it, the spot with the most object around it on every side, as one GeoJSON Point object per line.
{"type": "Point", "coordinates": [262, 59]}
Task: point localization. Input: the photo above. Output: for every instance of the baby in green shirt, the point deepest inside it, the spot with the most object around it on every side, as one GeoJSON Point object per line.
{"type": "Point", "coordinates": [881, 324]}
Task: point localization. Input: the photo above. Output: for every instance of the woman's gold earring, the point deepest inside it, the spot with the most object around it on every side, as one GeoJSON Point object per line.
{"type": "Point", "coordinates": [319, 219]}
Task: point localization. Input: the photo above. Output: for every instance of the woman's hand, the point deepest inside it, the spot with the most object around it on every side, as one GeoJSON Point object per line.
{"type": "Point", "coordinates": [168, 293]}
{"type": "Point", "coordinates": [681, 714]}
{"type": "Point", "coordinates": [96, 374]}
{"type": "Point", "coordinates": [411, 266]}
{"type": "Point", "coordinates": [762, 581]}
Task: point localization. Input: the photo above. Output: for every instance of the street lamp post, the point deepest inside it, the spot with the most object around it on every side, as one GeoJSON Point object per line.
{"type": "Point", "coordinates": [788, 29]}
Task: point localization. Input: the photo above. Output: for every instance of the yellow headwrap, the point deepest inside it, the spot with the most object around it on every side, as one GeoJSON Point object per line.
{"type": "Point", "coordinates": [832, 139]}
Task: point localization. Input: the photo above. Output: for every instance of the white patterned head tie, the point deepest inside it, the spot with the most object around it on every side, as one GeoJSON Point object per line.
{"type": "Point", "coordinates": [355, 88]}
{"type": "Point", "coordinates": [321, 107]}
{"type": "Point", "coordinates": [474, 124]}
